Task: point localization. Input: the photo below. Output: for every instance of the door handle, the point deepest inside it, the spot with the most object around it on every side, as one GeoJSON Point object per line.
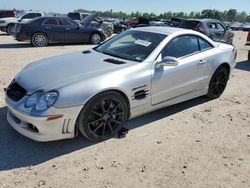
{"type": "Point", "coordinates": [67, 29]}
{"type": "Point", "coordinates": [202, 61]}
{"type": "Point", "coordinates": [47, 27]}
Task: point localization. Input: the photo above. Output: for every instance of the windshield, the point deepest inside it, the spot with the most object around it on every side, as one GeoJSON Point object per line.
{"type": "Point", "coordinates": [20, 15]}
{"type": "Point", "coordinates": [190, 25]}
{"type": "Point", "coordinates": [132, 45]}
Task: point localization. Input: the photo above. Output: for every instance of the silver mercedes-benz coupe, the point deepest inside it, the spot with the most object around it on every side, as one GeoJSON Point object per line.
{"type": "Point", "coordinates": [97, 91]}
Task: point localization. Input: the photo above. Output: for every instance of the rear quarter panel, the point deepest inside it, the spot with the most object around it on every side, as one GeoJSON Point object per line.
{"type": "Point", "coordinates": [222, 53]}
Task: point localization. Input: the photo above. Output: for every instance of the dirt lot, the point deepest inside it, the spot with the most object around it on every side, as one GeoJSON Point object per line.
{"type": "Point", "coordinates": [199, 143]}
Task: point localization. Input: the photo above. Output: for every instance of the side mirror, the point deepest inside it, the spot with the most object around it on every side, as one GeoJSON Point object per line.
{"type": "Point", "coordinates": [168, 61]}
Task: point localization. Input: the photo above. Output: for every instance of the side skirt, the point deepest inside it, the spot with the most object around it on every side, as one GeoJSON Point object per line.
{"type": "Point", "coordinates": [141, 110]}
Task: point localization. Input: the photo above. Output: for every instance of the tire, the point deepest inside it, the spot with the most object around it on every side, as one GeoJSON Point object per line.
{"type": "Point", "coordinates": [230, 40]}
{"type": "Point", "coordinates": [218, 83]}
{"type": "Point", "coordinates": [103, 116]}
{"type": "Point", "coordinates": [122, 30]}
{"type": "Point", "coordinates": [248, 55]}
{"type": "Point", "coordinates": [95, 38]}
{"type": "Point", "coordinates": [109, 32]}
{"type": "Point", "coordinates": [9, 29]}
{"type": "Point", "coordinates": [39, 40]}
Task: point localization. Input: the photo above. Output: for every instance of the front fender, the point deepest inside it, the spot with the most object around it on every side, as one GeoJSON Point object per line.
{"type": "Point", "coordinates": [128, 81]}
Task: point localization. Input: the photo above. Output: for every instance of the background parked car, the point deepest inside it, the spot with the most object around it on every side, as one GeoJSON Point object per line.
{"type": "Point", "coordinates": [7, 24]}
{"type": "Point", "coordinates": [96, 21]}
{"type": "Point", "coordinates": [130, 23]}
{"type": "Point", "coordinates": [248, 43]}
{"type": "Point", "coordinates": [45, 30]}
{"type": "Point", "coordinates": [7, 13]}
{"type": "Point", "coordinates": [214, 29]}
{"type": "Point", "coordinates": [146, 22]}
{"type": "Point", "coordinates": [77, 16]}
{"type": "Point", "coordinates": [119, 27]}
{"type": "Point", "coordinates": [175, 22]}
{"type": "Point", "coordinates": [237, 26]}
{"type": "Point", "coordinates": [247, 27]}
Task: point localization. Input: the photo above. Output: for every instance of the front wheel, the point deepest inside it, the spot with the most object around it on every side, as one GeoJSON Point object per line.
{"type": "Point", "coordinates": [248, 55]}
{"type": "Point", "coordinates": [109, 32]}
{"type": "Point", "coordinates": [39, 40]}
{"type": "Point", "coordinates": [218, 83]}
{"type": "Point", "coordinates": [103, 116]}
{"type": "Point", "coordinates": [95, 39]}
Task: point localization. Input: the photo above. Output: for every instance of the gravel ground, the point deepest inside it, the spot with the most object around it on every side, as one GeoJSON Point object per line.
{"type": "Point", "coordinates": [198, 143]}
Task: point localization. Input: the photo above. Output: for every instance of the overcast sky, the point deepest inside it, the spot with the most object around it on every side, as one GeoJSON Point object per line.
{"type": "Point", "coordinates": [155, 6]}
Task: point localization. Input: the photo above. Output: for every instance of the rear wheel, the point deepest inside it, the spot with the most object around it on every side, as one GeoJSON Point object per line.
{"type": "Point", "coordinates": [218, 83]}
{"type": "Point", "coordinates": [103, 116]}
{"type": "Point", "coordinates": [9, 29]}
{"type": "Point", "coordinates": [122, 30]}
{"type": "Point", "coordinates": [230, 40]}
{"type": "Point", "coordinates": [39, 40]}
{"type": "Point", "coordinates": [95, 38]}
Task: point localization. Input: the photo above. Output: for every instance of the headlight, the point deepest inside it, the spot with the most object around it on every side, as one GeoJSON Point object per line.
{"type": "Point", "coordinates": [2, 21]}
{"type": "Point", "coordinates": [32, 100]}
{"type": "Point", "coordinates": [42, 101]}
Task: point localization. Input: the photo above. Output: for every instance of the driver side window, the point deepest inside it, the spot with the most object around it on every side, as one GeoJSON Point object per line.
{"type": "Point", "coordinates": [220, 27]}
{"type": "Point", "coordinates": [181, 46]}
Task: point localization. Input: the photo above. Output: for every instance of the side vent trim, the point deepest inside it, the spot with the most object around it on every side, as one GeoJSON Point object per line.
{"type": "Point", "coordinates": [140, 94]}
{"type": "Point", "coordinates": [114, 61]}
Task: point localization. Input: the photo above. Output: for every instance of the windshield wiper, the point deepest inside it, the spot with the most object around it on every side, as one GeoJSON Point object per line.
{"type": "Point", "coordinates": [107, 53]}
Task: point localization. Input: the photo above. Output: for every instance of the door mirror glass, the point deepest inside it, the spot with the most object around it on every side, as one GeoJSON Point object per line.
{"type": "Point", "coordinates": [168, 61]}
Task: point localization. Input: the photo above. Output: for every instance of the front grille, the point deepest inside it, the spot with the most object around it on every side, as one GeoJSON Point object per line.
{"type": "Point", "coordinates": [15, 92]}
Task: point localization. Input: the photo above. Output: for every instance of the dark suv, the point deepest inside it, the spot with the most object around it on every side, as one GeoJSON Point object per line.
{"type": "Point", "coordinates": [214, 29]}
{"type": "Point", "coordinates": [7, 13]}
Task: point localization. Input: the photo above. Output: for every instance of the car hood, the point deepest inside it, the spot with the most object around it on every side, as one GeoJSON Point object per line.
{"type": "Point", "coordinates": [60, 71]}
{"type": "Point", "coordinates": [86, 21]}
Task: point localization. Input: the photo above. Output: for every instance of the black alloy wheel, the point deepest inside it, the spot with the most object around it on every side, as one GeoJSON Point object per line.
{"type": "Point", "coordinates": [218, 83]}
{"type": "Point", "coordinates": [103, 116]}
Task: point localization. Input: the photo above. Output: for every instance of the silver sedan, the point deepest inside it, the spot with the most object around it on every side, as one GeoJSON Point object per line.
{"type": "Point", "coordinates": [97, 91]}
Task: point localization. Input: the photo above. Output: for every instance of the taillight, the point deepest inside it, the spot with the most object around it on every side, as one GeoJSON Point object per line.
{"type": "Point", "coordinates": [20, 27]}
{"type": "Point", "coordinates": [235, 53]}
{"type": "Point", "coordinates": [248, 38]}
{"type": "Point", "coordinates": [201, 30]}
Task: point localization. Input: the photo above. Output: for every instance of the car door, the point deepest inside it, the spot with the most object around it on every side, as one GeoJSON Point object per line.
{"type": "Point", "coordinates": [54, 30]}
{"type": "Point", "coordinates": [221, 32]}
{"type": "Point", "coordinates": [169, 82]}
{"type": "Point", "coordinates": [212, 31]}
{"type": "Point", "coordinates": [73, 31]}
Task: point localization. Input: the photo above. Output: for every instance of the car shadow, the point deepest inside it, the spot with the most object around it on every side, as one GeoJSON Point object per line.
{"type": "Point", "coordinates": [18, 151]}
{"type": "Point", "coordinates": [28, 45]}
{"type": "Point", "coordinates": [4, 34]}
{"type": "Point", "coordinates": [16, 45]}
{"type": "Point", "coordinates": [243, 65]}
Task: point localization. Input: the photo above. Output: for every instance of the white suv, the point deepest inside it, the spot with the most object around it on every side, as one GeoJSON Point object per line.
{"type": "Point", "coordinates": [7, 24]}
